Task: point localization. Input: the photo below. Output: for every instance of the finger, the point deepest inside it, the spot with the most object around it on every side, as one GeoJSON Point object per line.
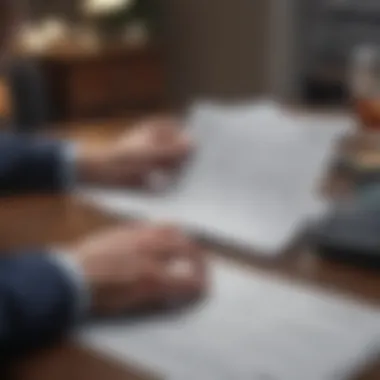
{"type": "Point", "coordinates": [150, 289]}
{"type": "Point", "coordinates": [159, 241]}
{"type": "Point", "coordinates": [171, 140]}
{"type": "Point", "coordinates": [185, 280]}
{"type": "Point", "coordinates": [169, 242]}
{"type": "Point", "coordinates": [157, 131]}
{"type": "Point", "coordinates": [191, 263]}
{"type": "Point", "coordinates": [123, 232]}
{"type": "Point", "coordinates": [166, 230]}
{"type": "Point", "coordinates": [158, 287]}
{"type": "Point", "coordinates": [164, 122]}
{"type": "Point", "coordinates": [164, 132]}
{"type": "Point", "coordinates": [180, 142]}
{"type": "Point", "coordinates": [134, 181]}
{"type": "Point", "coordinates": [169, 156]}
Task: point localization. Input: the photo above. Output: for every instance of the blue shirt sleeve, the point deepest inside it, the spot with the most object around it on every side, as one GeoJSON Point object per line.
{"type": "Point", "coordinates": [38, 299]}
{"type": "Point", "coordinates": [73, 272]}
{"type": "Point", "coordinates": [30, 164]}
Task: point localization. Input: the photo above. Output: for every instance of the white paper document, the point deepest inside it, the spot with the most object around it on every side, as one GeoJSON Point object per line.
{"type": "Point", "coordinates": [252, 182]}
{"type": "Point", "coordinates": [250, 327]}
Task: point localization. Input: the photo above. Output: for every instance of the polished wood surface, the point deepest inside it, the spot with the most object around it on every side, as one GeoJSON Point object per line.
{"type": "Point", "coordinates": [40, 220]}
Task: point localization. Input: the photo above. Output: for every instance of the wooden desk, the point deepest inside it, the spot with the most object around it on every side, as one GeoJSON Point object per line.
{"type": "Point", "coordinates": [35, 220]}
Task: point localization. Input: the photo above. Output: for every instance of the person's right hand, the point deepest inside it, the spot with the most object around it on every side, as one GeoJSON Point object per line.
{"type": "Point", "coordinates": [132, 268]}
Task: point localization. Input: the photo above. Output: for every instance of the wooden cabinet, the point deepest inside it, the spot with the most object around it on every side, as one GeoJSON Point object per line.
{"type": "Point", "coordinates": [5, 102]}
{"type": "Point", "coordinates": [106, 84]}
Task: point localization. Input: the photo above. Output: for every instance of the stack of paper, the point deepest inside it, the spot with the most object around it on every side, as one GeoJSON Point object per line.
{"type": "Point", "coordinates": [253, 180]}
{"type": "Point", "coordinates": [251, 327]}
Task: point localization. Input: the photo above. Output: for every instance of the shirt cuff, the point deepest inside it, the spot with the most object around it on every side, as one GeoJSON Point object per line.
{"type": "Point", "coordinates": [73, 271]}
{"type": "Point", "coordinates": [68, 167]}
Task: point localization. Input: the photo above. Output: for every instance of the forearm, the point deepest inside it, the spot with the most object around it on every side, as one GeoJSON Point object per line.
{"type": "Point", "coordinates": [41, 297]}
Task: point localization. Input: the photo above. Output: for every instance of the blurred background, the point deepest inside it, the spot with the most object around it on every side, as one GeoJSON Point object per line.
{"type": "Point", "coordinates": [91, 59]}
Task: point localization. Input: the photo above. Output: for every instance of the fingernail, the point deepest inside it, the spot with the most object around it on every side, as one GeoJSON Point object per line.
{"type": "Point", "coordinates": [181, 269]}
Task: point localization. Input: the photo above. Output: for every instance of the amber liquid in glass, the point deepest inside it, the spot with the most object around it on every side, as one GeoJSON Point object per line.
{"type": "Point", "coordinates": [368, 112]}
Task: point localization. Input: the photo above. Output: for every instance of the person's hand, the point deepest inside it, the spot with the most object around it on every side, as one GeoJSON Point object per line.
{"type": "Point", "coordinates": [153, 145]}
{"type": "Point", "coordinates": [140, 267]}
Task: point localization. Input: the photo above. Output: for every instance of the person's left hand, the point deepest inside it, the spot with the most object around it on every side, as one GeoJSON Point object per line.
{"type": "Point", "coordinates": [152, 145]}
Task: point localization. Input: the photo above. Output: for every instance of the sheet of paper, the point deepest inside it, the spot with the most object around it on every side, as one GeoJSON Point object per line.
{"type": "Point", "coordinates": [252, 182]}
{"type": "Point", "coordinates": [251, 327]}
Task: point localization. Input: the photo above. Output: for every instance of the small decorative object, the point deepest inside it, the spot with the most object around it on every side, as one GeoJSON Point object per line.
{"type": "Point", "coordinates": [105, 8]}
{"type": "Point", "coordinates": [30, 39]}
{"type": "Point", "coordinates": [54, 30]}
{"type": "Point", "coordinates": [130, 21]}
{"type": "Point", "coordinates": [43, 36]}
